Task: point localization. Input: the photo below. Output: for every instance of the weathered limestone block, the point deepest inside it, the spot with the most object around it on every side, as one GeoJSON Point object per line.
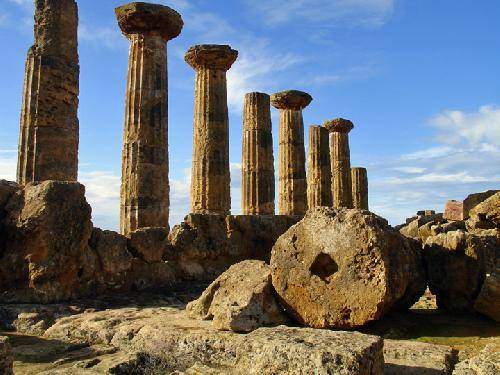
{"type": "Point", "coordinates": [488, 300]}
{"type": "Point", "coordinates": [359, 180]}
{"type": "Point", "coordinates": [210, 178]}
{"type": "Point", "coordinates": [183, 344]}
{"type": "Point", "coordinates": [204, 246]}
{"type": "Point", "coordinates": [240, 300]}
{"type": "Point", "coordinates": [487, 362]}
{"type": "Point", "coordinates": [149, 244]}
{"type": "Point", "coordinates": [44, 232]}
{"type": "Point", "coordinates": [340, 156]}
{"type": "Point", "coordinates": [326, 276]}
{"type": "Point", "coordinates": [145, 185]}
{"type": "Point", "coordinates": [258, 160]}
{"type": "Point", "coordinates": [111, 249]}
{"type": "Point", "coordinates": [48, 140]}
{"type": "Point", "coordinates": [485, 215]}
{"type": "Point", "coordinates": [454, 210]}
{"type": "Point", "coordinates": [417, 358]}
{"type": "Point", "coordinates": [414, 226]}
{"type": "Point", "coordinates": [474, 199]}
{"type": "Point", "coordinates": [292, 182]}
{"type": "Point", "coordinates": [319, 177]}
{"type": "Point", "coordinates": [6, 357]}
{"type": "Point", "coordinates": [457, 263]}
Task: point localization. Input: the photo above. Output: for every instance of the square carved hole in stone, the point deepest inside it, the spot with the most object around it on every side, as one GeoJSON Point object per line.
{"type": "Point", "coordinates": [324, 267]}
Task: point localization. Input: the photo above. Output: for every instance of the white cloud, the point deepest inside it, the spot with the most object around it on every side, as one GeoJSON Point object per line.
{"type": "Point", "coordinates": [8, 165]}
{"type": "Point", "coordinates": [465, 160]}
{"type": "Point", "coordinates": [326, 13]}
{"type": "Point", "coordinates": [109, 37]}
{"type": "Point", "coordinates": [474, 128]}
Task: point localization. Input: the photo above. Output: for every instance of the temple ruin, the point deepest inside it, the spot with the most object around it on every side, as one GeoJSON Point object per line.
{"type": "Point", "coordinates": [292, 183]}
{"type": "Point", "coordinates": [341, 161]}
{"type": "Point", "coordinates": [257, 157]}
{"type": "Point", "coordinates": [49, 133]}
{"type": "Point", "coordinates": [319, 176]}
{"type": "Point", "coordinates": [144, 197]}
{"type": "Point", "coordinates": [210, 175]}
{"type": "Point", "coordinates": [359, 179]}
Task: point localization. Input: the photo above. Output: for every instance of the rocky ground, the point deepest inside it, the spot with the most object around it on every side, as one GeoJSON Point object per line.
{"type": "Point", "coordinates": [152, 334]}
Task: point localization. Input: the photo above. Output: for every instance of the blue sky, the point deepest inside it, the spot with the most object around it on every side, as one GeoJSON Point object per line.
{"type": "Point", "coordinates": [419, 79]}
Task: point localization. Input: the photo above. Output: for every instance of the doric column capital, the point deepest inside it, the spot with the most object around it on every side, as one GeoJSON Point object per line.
{"type": "Point", "coordinates": [291, 99]}
{"type": "Point", "coordinates": [339, 125]}
{"type": "Point", "coordinates": [144, 18]}
{"type": "Point", "coordinates": [211, 56]}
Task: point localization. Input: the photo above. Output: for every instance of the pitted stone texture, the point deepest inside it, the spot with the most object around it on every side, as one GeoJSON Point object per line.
{"type": "Point", "coordinates": [210, 172]}
{"type": "Point", "coordinates": [211, 56]}
{"type": "Point", "coordinates": [258, 182]}
{"type": "Point", "coordinates": [359, 180]}
{"type": "Point", "coordinates": [6, 357]}
{"type": "Point", "coordinates": [149, 244]}
{"type": "Point", "coordinates": [457, 263]}
{"type": "Point", "coordinates": [487, 362]}
{"type": "Point", "coordinates": [48, 141]}
{"type": "Point", "coordinates": [291, 99]}
{"type": "Point", "coordinates": [240, 300]}
{"type": "Point", "coordinates": [488, 300]}
{"type": "Point", "coordinates": [485, 215]}
{"type": "Point", "coordinates": [184, 344]}
{"type": "Point", "coordinates": [340, 156]}
{"type": "Point", "coordinates": [454, 210]}
{"type": "Point", "coordinates": [204, 246]}
{"type": "Point", "coordinates": [344, 268]}
{"type": "Point", "coordinates": [48, 227]}
{"type": "Point", "coordinates": [292, 181]}
{"type": "Point", "coordinates": [145, 185]}
{"type": "Point", "coordinates": [319, 177]}
{"type": "Point", "coordinates": [417, 358]}
{"type": "Point", "coordinates": [144, 18]}
{"type": "Point", "coordinates": [475, 199]}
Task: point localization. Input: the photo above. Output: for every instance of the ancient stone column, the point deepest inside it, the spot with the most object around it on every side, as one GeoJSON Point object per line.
{"type": "Point", "coordinates": [48, 140]}
{"type": "Point", "coordinates": [319, 188]}
{"type": "Point", "coordinates": [340, 156]}
{"type": "Point", "coordinates": [144, 200]}
{"type": "Point", "coordinates": [359, 179]}
{"type": "Point", "coordinates": [258, 160]}
{"type": "Point", "coordinates": [210, 178]}
{"type": "Point", "coordinates": [292, 184]}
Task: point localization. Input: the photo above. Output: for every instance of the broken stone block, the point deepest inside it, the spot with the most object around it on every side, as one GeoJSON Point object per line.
{"type": "Point", "coordinates": [6, 357]}
{"type": "Point", "coordinates": [488, 301]}
{"type": "Point", "coordinates": [485, 215]}
{"type": "Point", "coordinates": [417, 358]}
{"type": "Point", "coordinates": [457, 263]}
{"type": "Point", "coordinates": [474, 199]}
{"type": "Point", "coordinates": [241, 299]}
{"type": "Point", "coordinates": [487, 362]}
{"type": "Point", "coordinates": [149, 244]}
{"type": "Point", "coordinates": [326, 277]}
{"type": "Point", "coordinates": [454, 210]}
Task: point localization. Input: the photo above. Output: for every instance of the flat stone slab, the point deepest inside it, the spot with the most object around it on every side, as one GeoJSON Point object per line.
{"type": "Point", "coordinates": [416, 358]}
{"type": "Point", "coordinates": [168, 335]}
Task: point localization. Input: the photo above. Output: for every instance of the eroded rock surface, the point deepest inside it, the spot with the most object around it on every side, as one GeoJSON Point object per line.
{"type": "Point", "coordinates": [416, 358]}
{"type": "Point", "coordinates": [344, 268]}
{"type": "Point", "coordinates": [485, 215]}
{"type": "Point", "coordinates": [487, 362]}
{"type": "Point", "coordinates": [241, 299]}
{"type": "Point", "coordinates": [6, 357]}
{"type": "Point", "coordinates": [204, 246]}
{"type": "Point", "coordinates": [488, 300]}
{"type": "Point", "coordinates": [457, 263]}
{"type": "Point", "coordinates": [180, 343]}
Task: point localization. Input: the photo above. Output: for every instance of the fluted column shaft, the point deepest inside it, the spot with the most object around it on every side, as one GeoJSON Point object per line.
{"type": "Point", "coordinates": [319, 190]}
{"type": "Point", "coordinates": [48, 140]}
{"type": "Point", "coordinates": [211, 180]}
{"type": "Point", "coordinates": [145, 184]}
{"type": "Point", "coordinates": [359, 178]}
{"type": "Point", "coordinates": [257, 159]}
{"type": "Point", "coordinates": [341, 170]}
{"type": "Point", "coordinates": [292, 164]}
